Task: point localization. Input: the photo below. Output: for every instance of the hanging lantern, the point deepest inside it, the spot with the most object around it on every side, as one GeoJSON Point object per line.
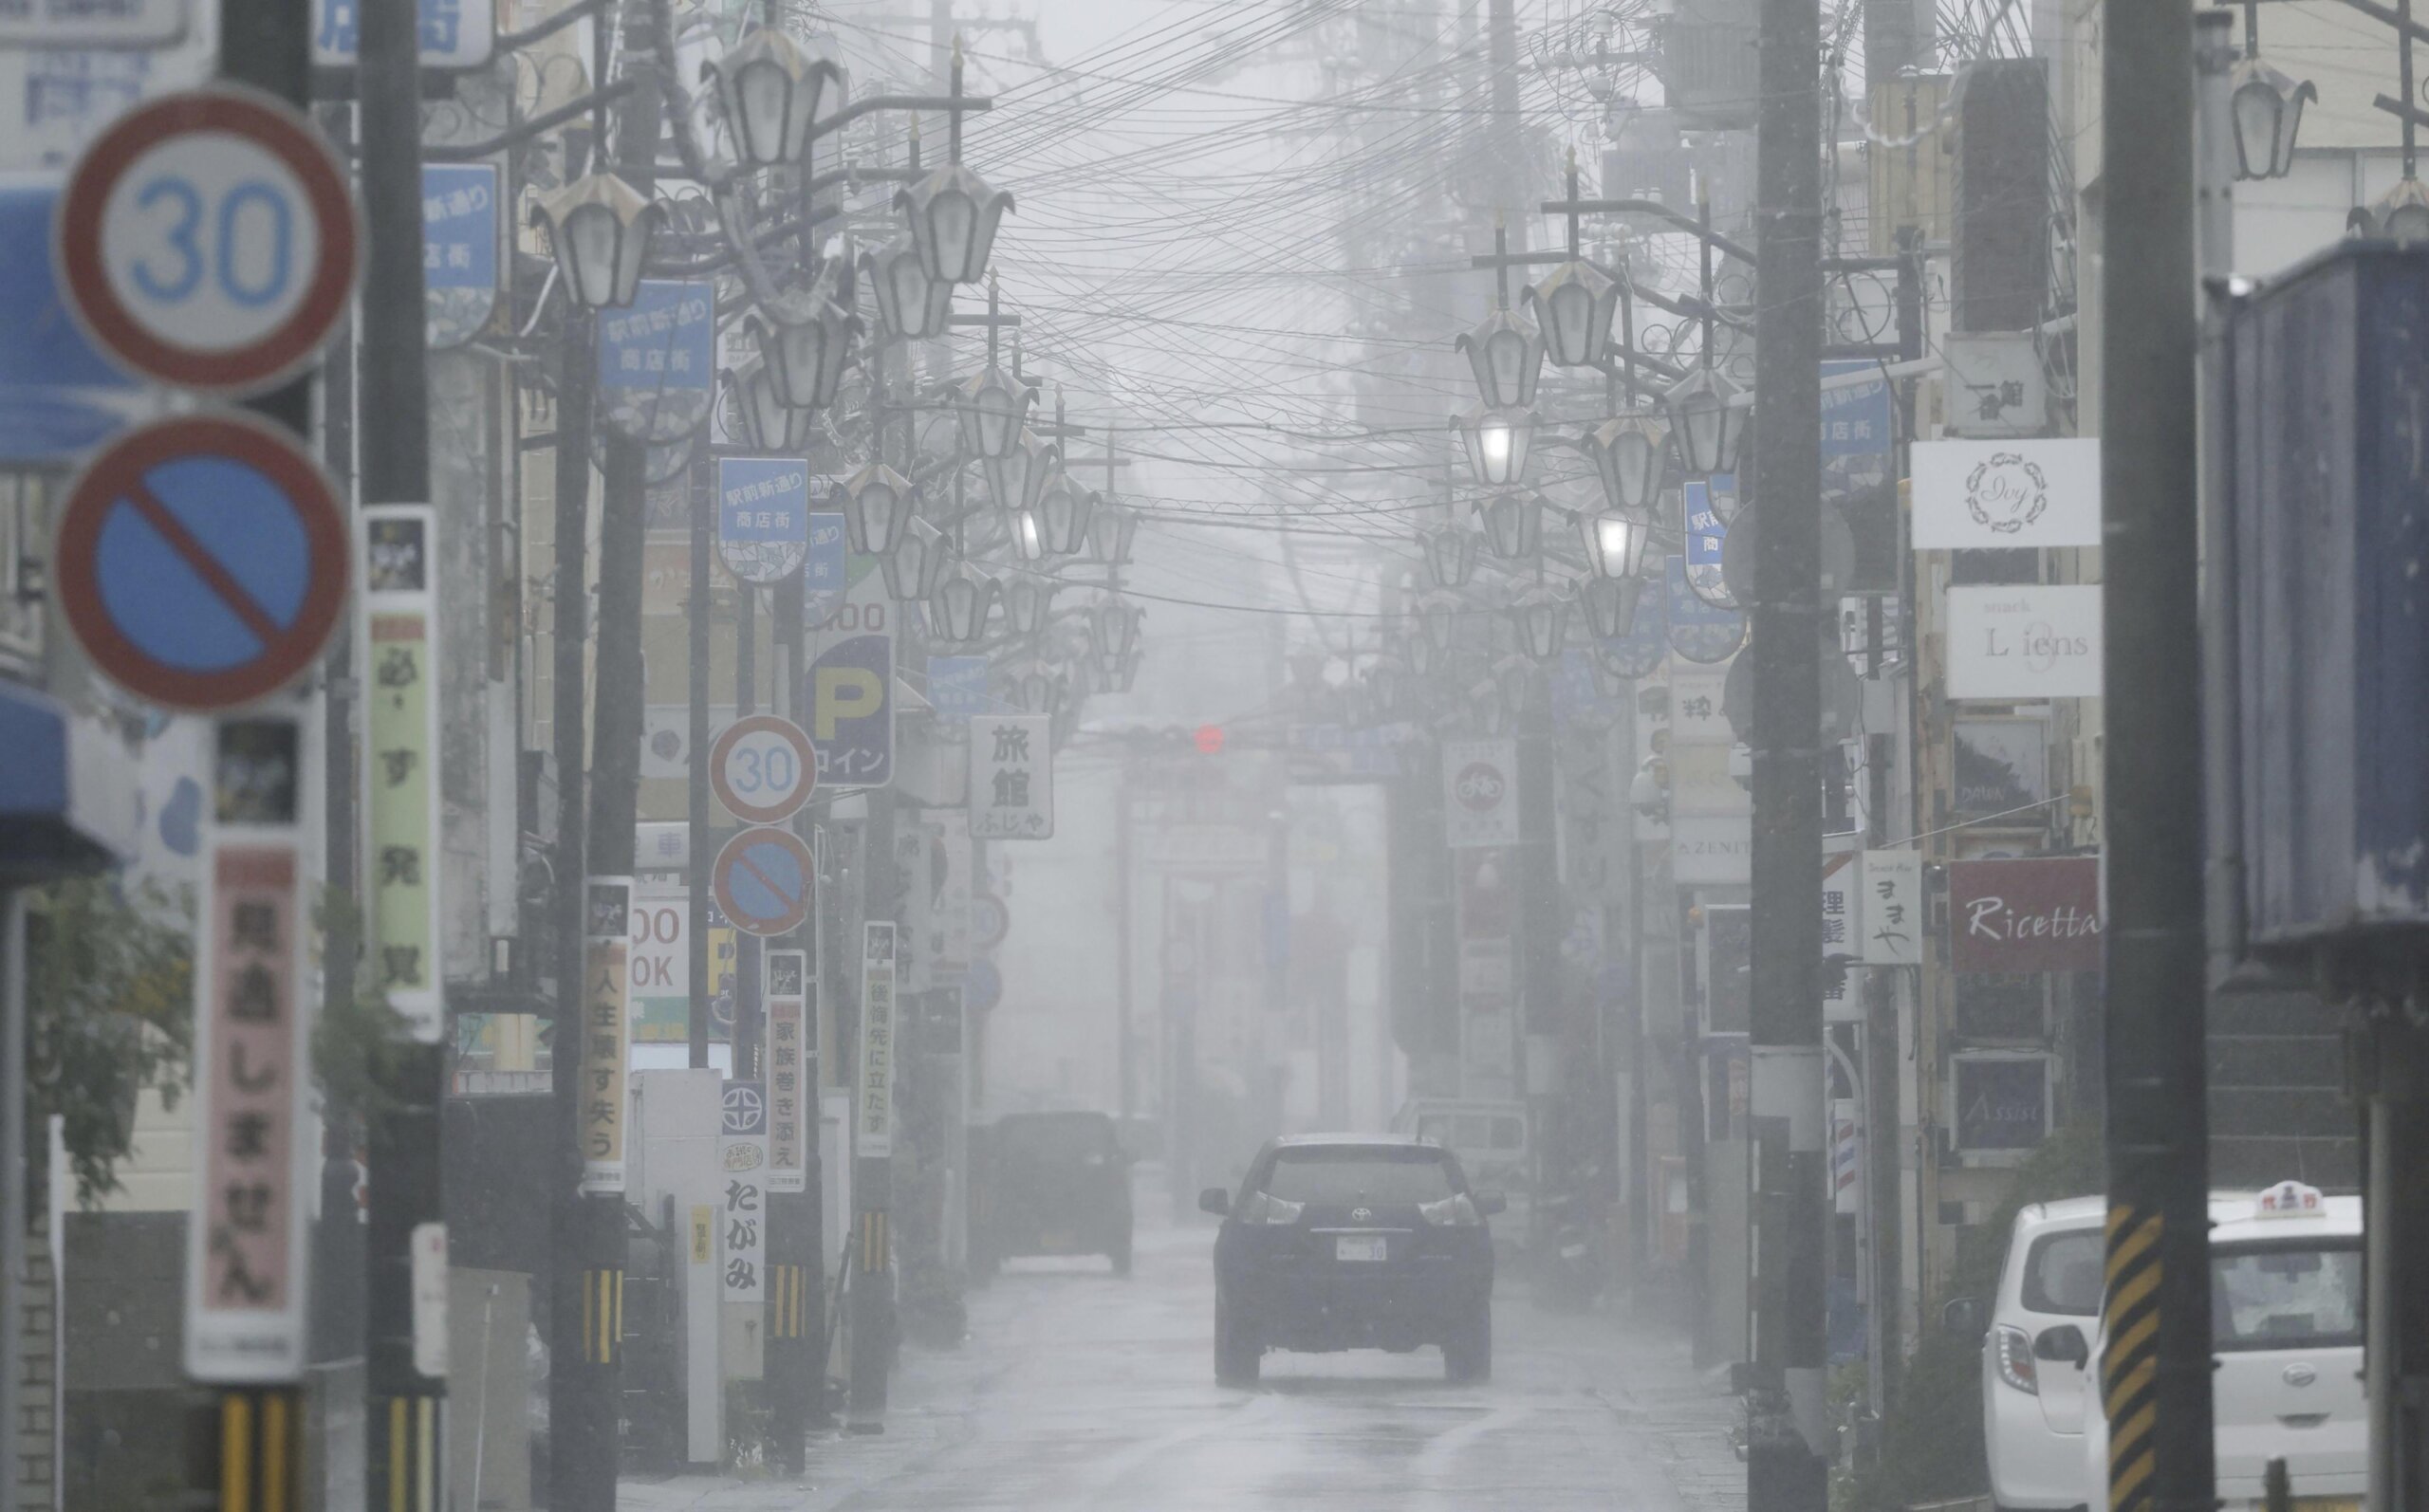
{"type": "Point", "coordinates": [1111, 532]}
{"type": "Point", "coordinates": [1705, 424]}
{"type": "Point", "coordinates": [916, 562]}
{"type": "Point", "coordinates": [1513, 681]}
{"type": "Point", "coordinates": [2402, 212]}
{"type": "Point", "coordinates": [772, 89]}
{"type": "Point", "coordinates": [1018, 478]}
{"type": "Point", "coordinates": [2268, 110]}
{"type": "Point", "coordinates": [1062, 514]}
{"type": "Point", "coordinates": [877, 501]}
{"type": "Point", "coordinates": [1035, 687]}
{"type": "Point", "coordinates": [911, 305]}
{"type": "Point", "coordinates": [1614, 542]}
{"type": "Point", "coordinates": [1113, 627]}
{"type": "Point", "coordinates": [1440, 612]}
{"type": "Point", "coordinates": [1506, 356]}
{"type": "Point", "coordinates": [758, 411]}
{"type": "Point", "coordinates": [1630, 452]}
{"type": "Point", "coordinates": [807, 359]}
{"type": "Point", "coordinates": [1609, 604]}
{"type": "Point", "coordinates": [991, 410]}
{"type": "Point", "coordinates": [1542, 618]}
{"type": "Point", "coordinates": [1497, 441]}
{"type": "Point", "coordinates": [959, 604]}
{"type": "Point", "coordinates": [1451, 555]}
{"type": "Point", "coordinates": [953, 216]}
{"type": "Point", "coordinates": [1028, 600]}
{"type": "Point", "coordinates": [598, 227]}
{"type": "Point", "coordinates": [1513, 522]}
{"type": "Point", "coordinates": [1573, 307]}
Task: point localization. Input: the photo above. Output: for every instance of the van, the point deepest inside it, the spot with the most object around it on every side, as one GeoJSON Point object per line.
{"type": "Point", "coordinates": [1490, 1139]}
{"type": "Point", "coordinates": [2034, 1402]}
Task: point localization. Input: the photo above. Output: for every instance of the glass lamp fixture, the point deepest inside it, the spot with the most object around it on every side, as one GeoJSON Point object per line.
{"type": "Point", "coordinates": [1063, 513]}
{"type": "Point", "coordinates": [772, 89]}
{"type": "Point", "coordinates": [1542, 618]}
{"type": "Point", "coordinates": [1018, 479]}
{"type": "Point", "coordinates": [991, 410]}
{"type": "Point", "coordinates": [1513, 522]}
{"type": "Point", "coordinates": [911, 305]}
{"type": "Point", "coordinates": [1506, 353]}
{"type": "Point", "coordinates": [1028, 600]}
{"type": "Point", "coordinates": [1111, 532]}
{"type": "Point", "coordinates": [2268, 109]}
{"type": "Point", "coordinates": [1497, 441]}
{"type": "Point", "coordinates": [1451, 555]}
{"type": "Point", "coordinates": [1438, 614]}
{"type": "Point", "coordinates": [1035, 687]}
{"type": "Point", "coordinates": [1706, 425]}
{"type": "Point", "coordinates": [1573, 306]}
{"type": "Point", "coordinates": [1609, 604]}
{"type": "Point", "coordinates": [1127, 676]}
{"type": "Point", "coordinates": [1113, 629]}
{"type": "Point", "coordinates": [916, 562]}
{"type": "Point", "coordinates": [1629, 454]}
{"type": "Point", "coordinates": [1513, 681]}
{"type": "Point", "coordinates": [953, 216]}
{"type": "Point", "coordinates": [1029, 536]}
{"type": "Point", "coordinates": [807, 359]}
{"type": "Point", "coordinates": [1614, 542]}
{"type": "Point", "coordinates": [598, 227]}
{"type": "Point", "coordinates": [763, 416]}
{"type": "Point", "coordinates": [2402, 212]}
{"type": "Point", "coordinates": [877, 501]}
{"type": "Point", "coordinates": [960, 602]}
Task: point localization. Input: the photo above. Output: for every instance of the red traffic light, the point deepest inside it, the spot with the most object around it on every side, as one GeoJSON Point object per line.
{"type": "Point", "coordinates": [1210, 740]}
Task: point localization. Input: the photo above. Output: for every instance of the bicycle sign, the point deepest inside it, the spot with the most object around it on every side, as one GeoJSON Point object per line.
{"type": "Point", "coordinates": [1478, 780]}
{"type": "Point", "coordinates": [207, 239]}
{"type": "Point", "coordinates": [763, 770]}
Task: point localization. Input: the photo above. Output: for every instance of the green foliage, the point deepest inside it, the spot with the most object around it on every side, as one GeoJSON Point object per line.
{"type": "Point", "coordinates": [355, 1038]}
{"type": "Point", "coordinates": [1931, 1438]}
{"type": "Point", "coordinates": [109, 1011]}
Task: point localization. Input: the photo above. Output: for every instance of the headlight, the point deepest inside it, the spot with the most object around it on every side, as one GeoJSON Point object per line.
{"type": "Point", "coordinates": [2012, 1350]}
{"type": "Point", "coordinates": [1450, 1212]}
{"type": "Point", "coordinates": [1257, 1207]}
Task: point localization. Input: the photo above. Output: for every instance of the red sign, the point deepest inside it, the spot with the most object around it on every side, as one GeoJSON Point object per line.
{"type": "Point", "coordinates": [2033, 914]}
{"type": "Point", "coordinates": [763, 770]}
{"type": "Point", "coordinates": [1210, 740]}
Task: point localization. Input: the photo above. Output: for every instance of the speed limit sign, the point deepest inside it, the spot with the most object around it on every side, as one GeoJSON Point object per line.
{"type": "Point", "coordinates": [207, 239]}
{"type": "Point", "coordinates": [763, 769]}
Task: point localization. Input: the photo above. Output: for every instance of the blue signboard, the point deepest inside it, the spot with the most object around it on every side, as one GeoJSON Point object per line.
{"type": "Point", "coordinates": [822, 577]}
{"type": "Point", "coordinates": [59, 397]}
{"type": "Point", "coordinates": [453, 34]}
{"type": "Point", "coordinates": [458, 250]}
{"type": "Point", "coordinates": [1698, 630]}
{"type": "Point", "coordinates": [958, 687]}
{"type": "Point", "coordinates": [763, 516]}
{"type": "Point", "coordinates": [1704, 530]}
{"type": "Point", "coordinates": [658, 360]}
{"type": "Point", "coordinates": [1858, 420]}
{"type": "Point", "coordinates": [1640, 651]}
{"type": "Point", "coordinates": [849, 686]}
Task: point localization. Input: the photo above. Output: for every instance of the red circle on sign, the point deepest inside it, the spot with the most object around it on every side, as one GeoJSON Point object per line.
{"type": "Point", "coordinates": [803, 752]}
{"type": "Point", "coordinates": [1210, 739]}
{"type": "Point", "coordinates": [1480, 787]}
{"type": "Point", "coordinates": [118, 478]}
{"type": "Point", "coordinates": [277, 129]}
{"type": "Point", "coordinates": [735, 857]}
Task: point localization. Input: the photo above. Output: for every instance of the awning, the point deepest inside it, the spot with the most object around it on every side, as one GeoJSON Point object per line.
{"type": "Point", "coordinates": [66, 793]}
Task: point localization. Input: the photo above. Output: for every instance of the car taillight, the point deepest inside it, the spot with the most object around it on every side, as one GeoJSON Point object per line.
{"type": "Point", "coordinates": [1450, 1212]}
{"type": "Point", "coordinates": [1257, 1207]}
{"type": "Point", "coordinates": [2013, 1348]}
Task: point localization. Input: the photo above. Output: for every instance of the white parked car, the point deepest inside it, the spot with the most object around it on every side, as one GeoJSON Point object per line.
{"type": "Point", "coordinates": [2035, 1402]}
{"type": "Point", "coordinates": [2286, 1322]}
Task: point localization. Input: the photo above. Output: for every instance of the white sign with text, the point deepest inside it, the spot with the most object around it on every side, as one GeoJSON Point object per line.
{"type": "Point", "coordinates": [1973, 494]}
{"type": "Point", "coordinates": [2024, 641]}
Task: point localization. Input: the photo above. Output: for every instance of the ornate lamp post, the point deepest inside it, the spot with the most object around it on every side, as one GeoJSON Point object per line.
{"type": "Point", "coordinates": [766, 421]}
{"type": "Point", "coordinates": [1018, 478]}
{"type": "Point", "coordinates": [1704, 422]}
{"type": "Point", "coordinates": [991, 409]}
{"type": "Point", "coordinates": [1028, 600]}
{"type": "Point", "coordinates": [1609, 604]}
{"type": "Point", "coordinates": [1063, 513]}
{"type": "Point", "coordinates": [1629, 454]}
{"type": "Point", "coordinates": [1496, 442]}
{"type": "Point", "coordinates": [916, 562]}
{"type": "Point", "coordinates": [953, 214]}
{"type": "Point", "coordinates": [1614, 542]}
{"type": "Point", "coordinates": [599, 227]}
{"type": "Point", "coordinates": [806, 360]}
{"type": "Point", "coordinates": [1542, 618]}
{"type": "Point", "coordinates": [772, 89]}
{"type": "Point", "coordinates": [960, 602]}
{"type": "Point", "coordinates": [911, 305]}
{"type": "Point", "coordinates": [878, 502]}
{"type": "Point", "coordinates": [1513, 522]}
{"type": "Point", "coordinates": [1451, 555]}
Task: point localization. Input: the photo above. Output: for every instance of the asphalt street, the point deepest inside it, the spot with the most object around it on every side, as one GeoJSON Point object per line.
{"type": "Point", "coordinates": [1078, 1390]}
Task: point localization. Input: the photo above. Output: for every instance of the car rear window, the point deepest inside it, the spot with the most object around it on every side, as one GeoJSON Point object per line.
{"type": "Point", "coordinates": [2286, 1296]}
{"type": "Point", "coordinates": [1374, 1173]}
{"type": "Point", "coordinates": [2062, 1274]}
{"type": "Point", "coordinates": [1055, 1138]}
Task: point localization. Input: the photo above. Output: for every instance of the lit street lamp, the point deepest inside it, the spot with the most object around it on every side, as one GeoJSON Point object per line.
{"type": "Point", "coordinates": [1018, 478]}
{"type": "Point", "coordinates": [598, 227]}
{"type": "Point", "coordinates": [1497, 441]}
{"type": "Point", "coordinates": [1614, 542]}
{"type": "Point", "coordinates": [772, 89]}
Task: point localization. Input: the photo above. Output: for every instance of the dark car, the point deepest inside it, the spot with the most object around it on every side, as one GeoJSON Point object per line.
{"type": "Point", "coordinates": [1051, 1184]}
{"type": "Point", "coordinates": [1352, 1242]}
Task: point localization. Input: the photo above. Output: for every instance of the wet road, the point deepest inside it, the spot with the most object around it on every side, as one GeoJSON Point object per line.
{"type": "Point", "coordinates": [1078, 1391]}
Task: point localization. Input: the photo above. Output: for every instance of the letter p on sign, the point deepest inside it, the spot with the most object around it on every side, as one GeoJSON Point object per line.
{"type": "Point", "coordinates": [842, 692]}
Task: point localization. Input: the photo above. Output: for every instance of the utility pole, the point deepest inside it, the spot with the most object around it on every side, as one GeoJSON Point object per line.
{"type": "Point", "coordinates": [404, 1407]}
{"type": "Point", "coordinates": [2155, 1384]}
{"type": "Point", "coordinates": [1788, 1460]}
{"type": "Point", "coordinates": [796, 1338]}
{"type": "Point", "coordinates": [695, 776]}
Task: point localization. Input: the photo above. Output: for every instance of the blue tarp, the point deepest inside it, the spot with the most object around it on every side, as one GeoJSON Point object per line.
{"type": "Point", "coordinates": [43, 836]}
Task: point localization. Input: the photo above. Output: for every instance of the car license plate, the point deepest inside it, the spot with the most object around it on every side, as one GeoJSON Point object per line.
{"type": "Point", "coordinates": [1359, 1247]}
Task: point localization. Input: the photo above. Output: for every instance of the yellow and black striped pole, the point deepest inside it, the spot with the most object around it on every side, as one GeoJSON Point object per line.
{"type": "Point", "coordinates": [258, 1449]}
{"type": "Point", "coordinates": [2155, 1350]}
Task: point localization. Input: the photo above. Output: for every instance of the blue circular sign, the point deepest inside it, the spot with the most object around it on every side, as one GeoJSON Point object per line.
{"type": "Point", "coordinates": [765, 880]}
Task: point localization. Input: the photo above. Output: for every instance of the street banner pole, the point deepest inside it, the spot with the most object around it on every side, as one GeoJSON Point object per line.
{"type": "Point", "coordinates": [873, 1150]}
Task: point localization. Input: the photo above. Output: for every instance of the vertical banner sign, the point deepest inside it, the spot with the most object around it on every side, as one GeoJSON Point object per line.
{"type": "Point", "coordinates": [1893, 908]}
{"type": "Point", "coordinates": [829, 549]}
{"type": "Point", "coordinates": [742, 1159]}
{"type": "Point", "coordinates": [1011, 778]}
{"type": "Point", "coordinates": [400, 670]}
{"type": "Point", "coordinates": [459, 237]}
{"type": "Point", "coordinates": [607, 910]}
{"type": "Point", "coordinates": [850, 692]}
{"type": "Point", "coordinates": [1479, 793]}
{"type": "Point", "coordinates": [788, 1069]}
{"type": "Point", "coordinates": [874, 1127]}
{"type": "Point", "coordinates": [763, 516]}
{"type": "Point", "coordinates": [1704, 533]}
{"type": "Point", "coordinates": [246, 1307]}
{"type": "Point", "coordinates": [1841, 1002]}
{"type": "Point", "coordinates": [658, 360]}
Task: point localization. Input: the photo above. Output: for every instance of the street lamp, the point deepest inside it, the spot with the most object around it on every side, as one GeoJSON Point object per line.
{"type": "Point", "coordinates": [1614, 542]}
{"type": "Point", "coordinates": [1451, 555]}
{"type": "Point", "coordinates": [1513, 678]}
{"type": "Point", "coordinates": [952, 214]}
{"type": "Point", "coordinates": [1497, 441]}
{"type": "Point", "coordinates": [2268, 108]}
{"type": "Point", "coordinates": [598, 227]}
{"type": "Point", "coordinates": [1062, 512]}
{"type": "Point", "coordinates": [1438, 614]}
{"type": "Point", "coordinates": [766, 421]}
{"type": "Point", "coordinates": [959, 604]}
{"type": "Point", "coordinates": [1542, 616]}
{"type": "Point", "coordinates": [1034, 687]}
{"type": "Point", "coordinates": [1113, 627]}
{"type": "Point", "coordinates": [1018, 478]}
{"type": "Point", "coordinates": [1705, 424]}
{"type": "Point", "coordinates": [1573, 307]}
{"type": "Point", "coordinates": [2402, 212]}
{"type": "Point", "coordinates": [1609, 604]}
{"type": "Point", "coordinates": [1111, 533]}
{"type": "Point", "coordinates": [992, 410]}
{"type": "Point", "coordinates": [877, 504]}
{"type": "Point", "coordinates": [1629, 453]}
{"type": "Point", "coordinates": [910, 305]}
{"type": "Point", "coordinates": [807, 359]}
{"type": "Point", "coordinates": [1028, 600]}
{"type": "Point", "coordinates": [916, 562]}
{"type": "Point", "coordinates": [1514, 522]}
{"type": "Point", "coordinates": [771, 89]}
{"type": "Point", "coordinates": [1507, 356]}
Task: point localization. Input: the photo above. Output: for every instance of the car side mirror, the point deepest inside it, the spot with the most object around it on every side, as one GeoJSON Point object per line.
{"type": "Point", "coordinates": [2061, 1341]}
{"type": "Point", "coordinates": [1965, 1317]}
{"type": "Point", "coordinates": [1214, 1200]}
{"type": "Point", "coordinates": [1492, 1204]}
